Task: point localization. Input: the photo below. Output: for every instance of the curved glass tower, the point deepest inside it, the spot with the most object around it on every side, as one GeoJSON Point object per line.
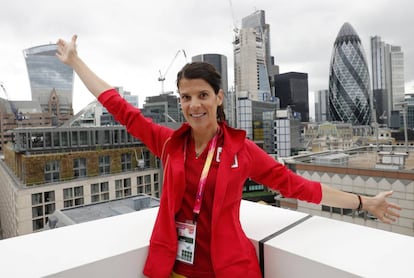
{"type": "Point", "coordinates": [349, 84]}
{"type": "Point", "coordinates": [48, 74]}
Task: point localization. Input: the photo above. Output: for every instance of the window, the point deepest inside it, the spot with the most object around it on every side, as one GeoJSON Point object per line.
{"type": "Point", "coordinates": [37, 211]}
{"type": "Point", "coordinates": [74, 137]}
{"type": "Point", "coordinates": [49, 208]}
{"type": "Point", "coordinates": [144, 184]}
{"type": "Point", "coordinates": [126, 162]}
{"type": "Point", "coordinates": [156, 185]}
{"type": "Point", "coordinates": [99, 192]}
{"type": "Point", "coordinates": [52, 171]}
{"type": "Point", "coordinates": [73, 196]}
{"type": "Point", "coordinates": [104, 164]}
{"type": "Point", "coordinates": [49, 196]}
{"type": "Point", "coordinates": [139, 180]}
{"type": "Point", "coordinates": [146, 156]}
{"type": "Point", "coordinates": [95, 188]}
{"type": "Point", "coordinates": [43, 204]}
{"type": "Point", "coordinates": [83, 138]}
{"type": "Point", "coordinates": [37, 198]}
{"type": "Point", "coordinates": [79, 167]}
{"type": "Point", "coordinates": [64, 139]}
{"type": "Point", "coordinates": [37, 224]}
{"type": "Point", "coordinates": [147, 184]}
{"type": "Point", "coordinates": [56, 141]}
{"type": "Point", "coordinates": [123, 188]}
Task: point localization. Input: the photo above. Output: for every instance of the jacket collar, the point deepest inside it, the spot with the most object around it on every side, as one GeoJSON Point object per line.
{"type": "Point", "coordinates": [233, 138]}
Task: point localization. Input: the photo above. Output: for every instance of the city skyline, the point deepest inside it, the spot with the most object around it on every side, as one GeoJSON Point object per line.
{"type": "Point", "coordinates": [127, 45]}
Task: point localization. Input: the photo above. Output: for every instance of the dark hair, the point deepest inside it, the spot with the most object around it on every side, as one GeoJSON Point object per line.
{"type": "Point", "coordinates": [207, 72]}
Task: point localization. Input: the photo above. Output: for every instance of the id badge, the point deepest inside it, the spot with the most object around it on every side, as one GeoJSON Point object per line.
{"type": "Point", "coordinates": [186, 242]}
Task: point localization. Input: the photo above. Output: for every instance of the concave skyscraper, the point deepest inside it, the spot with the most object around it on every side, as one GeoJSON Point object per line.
{"type": "Point", "coordinates": [51, 81]}
{"type": "Point", "coordinates": [349, 83]}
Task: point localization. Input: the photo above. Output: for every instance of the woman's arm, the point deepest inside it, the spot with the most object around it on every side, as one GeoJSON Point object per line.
{"type": "Point", "coordinates": [377, 206]}
{"type": "Point", "coordinates": [67, 53]}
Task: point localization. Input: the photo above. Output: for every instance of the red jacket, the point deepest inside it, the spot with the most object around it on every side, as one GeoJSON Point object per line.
{"type": "Point", "coordinates": [232, 253]}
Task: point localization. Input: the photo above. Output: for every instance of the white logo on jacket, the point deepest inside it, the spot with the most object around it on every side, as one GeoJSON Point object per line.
{"type": "Point", "coordinates": [235, 162]}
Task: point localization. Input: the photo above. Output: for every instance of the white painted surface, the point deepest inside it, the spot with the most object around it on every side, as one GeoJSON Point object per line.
{"type": "Point", "coordinates": [343, 249]}
{"type": "Point", "coordinates": [117, 247]}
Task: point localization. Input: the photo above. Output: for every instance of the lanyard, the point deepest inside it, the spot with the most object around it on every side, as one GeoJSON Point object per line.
{"type": "Point", "coordinates": [203, 179]}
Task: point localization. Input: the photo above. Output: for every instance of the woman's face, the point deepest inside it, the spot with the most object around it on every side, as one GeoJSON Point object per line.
{"type": "Point", "coordinates": [199, 103]}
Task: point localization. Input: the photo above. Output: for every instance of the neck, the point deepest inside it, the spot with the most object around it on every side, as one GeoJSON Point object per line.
{"type": "Point", "coordinates": [201, 138]}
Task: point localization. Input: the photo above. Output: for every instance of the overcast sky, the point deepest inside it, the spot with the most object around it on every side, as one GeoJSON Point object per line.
{"type": "Point", "coordinates": [127, 42]}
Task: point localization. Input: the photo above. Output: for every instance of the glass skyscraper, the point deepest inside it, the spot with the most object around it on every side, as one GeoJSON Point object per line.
{"type": "Point", "coordinates": [49, 78]}
{"type": "Point", "coordinates": [387, 78]}
{"type": "Point", "coordinates": [349, 82]}
{"type": "Point", "coordinates": [253, 63]}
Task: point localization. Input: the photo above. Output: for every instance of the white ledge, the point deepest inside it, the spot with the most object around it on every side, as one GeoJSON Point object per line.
{"type": "Point", "coordinates": [292, 244]}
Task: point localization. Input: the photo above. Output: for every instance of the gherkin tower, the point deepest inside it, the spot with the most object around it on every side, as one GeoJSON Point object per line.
{"type": "Point", "coordinates": [349, 83]}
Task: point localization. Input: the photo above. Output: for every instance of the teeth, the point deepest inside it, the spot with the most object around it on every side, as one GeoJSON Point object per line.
{"type": "Point", "coordinates": [197, 115]}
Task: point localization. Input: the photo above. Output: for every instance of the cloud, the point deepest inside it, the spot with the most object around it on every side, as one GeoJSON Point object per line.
{"type": "Point", "coordinates": [127, 42]}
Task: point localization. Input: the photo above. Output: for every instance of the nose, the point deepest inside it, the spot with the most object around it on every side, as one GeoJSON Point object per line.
{"type": "Point", "coordinates": [195, 103]}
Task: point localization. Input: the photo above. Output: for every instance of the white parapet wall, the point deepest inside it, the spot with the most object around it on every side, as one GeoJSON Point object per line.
{"type": "Point", "coordinates": [289, 244]}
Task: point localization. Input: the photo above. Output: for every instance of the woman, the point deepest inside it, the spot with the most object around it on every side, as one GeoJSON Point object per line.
{"type": "Point", "coordinates": [197, 232]}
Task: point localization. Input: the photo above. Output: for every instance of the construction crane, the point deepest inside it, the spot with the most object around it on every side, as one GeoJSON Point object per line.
{"type": "Point", "coordinates": [235, 28]}
{"type": "Point", "coordinates": [162, 76]}
{"type": "Point", "coordinates": [13, 108]}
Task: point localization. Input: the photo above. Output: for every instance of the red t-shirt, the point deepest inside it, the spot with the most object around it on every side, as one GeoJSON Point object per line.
{"type": "Point", "coordinates": [202, 266]}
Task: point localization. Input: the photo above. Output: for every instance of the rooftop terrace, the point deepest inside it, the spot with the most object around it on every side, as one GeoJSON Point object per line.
{"type": "Point", "coordinates": [289, 244]}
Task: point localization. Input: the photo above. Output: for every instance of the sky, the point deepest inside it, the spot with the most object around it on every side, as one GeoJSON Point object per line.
{"type": "Point", "coordinates": [128, 42]}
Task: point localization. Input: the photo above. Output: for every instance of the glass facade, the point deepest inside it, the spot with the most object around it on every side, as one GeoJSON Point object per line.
{"type": "Point", "coordinates": [349, 82]}
{"type": "Point", "coordinates": [47, 73]}
{"type": "Point", "coordinates": [252, 60]}
{"type": "Point", "coordinates": [387, 78]}
{"type": "Point", "coordinates": [253, 117]}
{"type": "Point", "coordinates": [163, 108]}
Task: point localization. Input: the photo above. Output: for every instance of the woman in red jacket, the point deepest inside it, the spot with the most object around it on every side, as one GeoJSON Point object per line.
{"type": "Point", "coordinates": [197, 232]}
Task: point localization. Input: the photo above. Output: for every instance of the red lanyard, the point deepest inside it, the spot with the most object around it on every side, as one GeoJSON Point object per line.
{"type": "Point", "coordinates": [203, 178]}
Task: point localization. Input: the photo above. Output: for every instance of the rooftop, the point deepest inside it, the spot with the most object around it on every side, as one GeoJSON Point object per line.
{"type": "Point", "coordinates": [76, 215]}
{"type": "Point", "coordinates": [367, 157]}
{"type": "Point", "coordinates": [117, 247]}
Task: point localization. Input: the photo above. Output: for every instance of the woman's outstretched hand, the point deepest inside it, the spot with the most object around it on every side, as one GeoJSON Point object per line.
{"type": "Point", "coordinates": [381, 208]}
{"type": "Point", "coordinates": [66, 51]}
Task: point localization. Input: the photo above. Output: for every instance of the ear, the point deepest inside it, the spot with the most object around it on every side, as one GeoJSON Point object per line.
{"type": "Point", "coordinates": [220, 97]}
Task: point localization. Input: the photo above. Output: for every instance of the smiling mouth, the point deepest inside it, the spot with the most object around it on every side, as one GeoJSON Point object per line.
{"type": "Point", "coordinates": [197, 115]}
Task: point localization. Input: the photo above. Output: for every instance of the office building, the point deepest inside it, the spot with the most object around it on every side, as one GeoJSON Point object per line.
{"type": "Point", "coordinates": [253, 117]}
{"type": "Point", "coordinates": [253, 64]}
{"type": "Point", "coordinates": [163, 108]}
{"type": "Point", "coordinates": [288, 130]}
{"type": "Point", "coordinates": [349, 83]}
{"type": "Point", "coordinates": [51, 82]}
{"type": "Point", "coordinates": [366, 171]}
{"type": "Point", "coordinates": [48, 169]}
{"type": "Point", "coordinates": [322, 106]}
{"type": "Point", "coordinates": [257, 21]}
{"type": "Point", "coordinates": [20, 113]}
{"type": "Point", "coordinates": [253, 72]}
{"type": "Point", "coordinates": [94, 114]}
{"type": "Point", "coordinates": [292, 90]}
{"type": "Point", "coordinates": [387, 78]}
